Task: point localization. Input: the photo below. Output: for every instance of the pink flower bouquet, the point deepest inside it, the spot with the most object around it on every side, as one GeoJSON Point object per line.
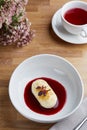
{"type": "Point", "coordinates": [14, 26]}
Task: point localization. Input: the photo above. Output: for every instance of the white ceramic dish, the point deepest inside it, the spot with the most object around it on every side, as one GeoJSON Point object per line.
{"type": "Point", "coordinates": [51, 66]}
{"type": "Point", "coordinates": [62, 33]}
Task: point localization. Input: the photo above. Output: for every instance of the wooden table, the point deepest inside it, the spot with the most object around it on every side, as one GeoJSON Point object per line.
{"type": "Point", "coordinates": [40, 13]}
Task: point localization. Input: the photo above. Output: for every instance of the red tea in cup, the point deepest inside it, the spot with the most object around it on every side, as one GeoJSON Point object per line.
{"type": "Point", "coordinates": [76, 16]}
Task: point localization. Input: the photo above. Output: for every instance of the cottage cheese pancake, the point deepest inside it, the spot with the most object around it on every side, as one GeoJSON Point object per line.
{"type": "Point", "coordinates": [44, 93]}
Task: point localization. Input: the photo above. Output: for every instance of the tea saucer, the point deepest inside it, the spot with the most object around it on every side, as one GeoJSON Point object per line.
{"type": "Point", "coordinates": [62, 33]}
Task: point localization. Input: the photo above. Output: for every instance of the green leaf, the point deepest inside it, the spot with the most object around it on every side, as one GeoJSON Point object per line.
{"type": "Point", "coordinates": [15, 19]}
{"type": "Point", "coordinates": [2, 3]}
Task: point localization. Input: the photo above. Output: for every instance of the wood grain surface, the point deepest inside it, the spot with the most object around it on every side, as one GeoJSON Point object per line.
{"type": "Point", "coordinates": [40, 13]}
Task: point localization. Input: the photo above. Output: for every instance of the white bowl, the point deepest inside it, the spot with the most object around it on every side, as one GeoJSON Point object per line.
{"type": "Point", "coordinates": [52, 66]}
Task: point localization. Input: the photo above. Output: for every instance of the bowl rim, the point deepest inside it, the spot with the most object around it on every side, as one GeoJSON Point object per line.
{"type": "Point", "coordinates": [55, 120]}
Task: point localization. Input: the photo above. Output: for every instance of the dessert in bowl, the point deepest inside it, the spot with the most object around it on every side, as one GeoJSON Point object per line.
{"type": "Point", "coordinates": [46, 88]}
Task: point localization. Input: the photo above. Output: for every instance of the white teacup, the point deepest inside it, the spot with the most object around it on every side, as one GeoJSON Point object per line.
{"type": "Point", "coordinates": [74, 28]}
